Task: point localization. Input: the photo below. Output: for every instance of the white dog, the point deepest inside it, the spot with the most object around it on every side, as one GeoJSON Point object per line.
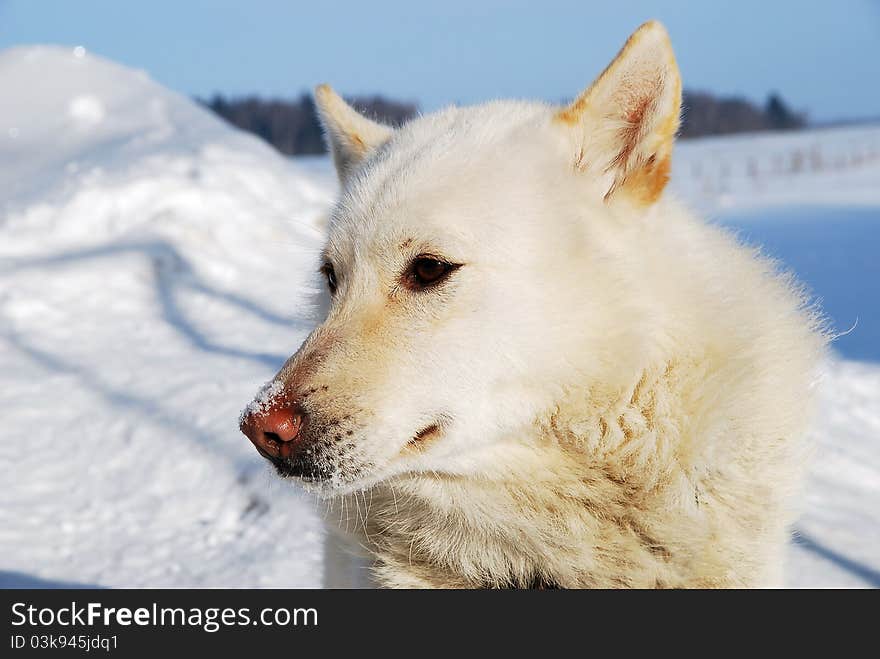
{"type": "Point", "coordinates": [535, 369]}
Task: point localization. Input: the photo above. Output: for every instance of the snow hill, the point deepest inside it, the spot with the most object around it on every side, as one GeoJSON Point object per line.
{"type": "Point", "coordinates": [154, 270]}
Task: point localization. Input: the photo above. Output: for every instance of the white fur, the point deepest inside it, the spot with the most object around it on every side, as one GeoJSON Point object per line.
{"type": "Point", "coordinates": [621, 388]}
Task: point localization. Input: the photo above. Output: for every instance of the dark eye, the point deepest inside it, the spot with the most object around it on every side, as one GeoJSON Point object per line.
{"type": "Point", "coordinates": [427, 271]}
{"type": "Point", "coordinates": [330, 274]}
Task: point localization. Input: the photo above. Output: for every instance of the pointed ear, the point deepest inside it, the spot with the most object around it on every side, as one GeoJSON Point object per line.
{"type": "Point", "coordinates": [625, 123]}
{"type": "Point", "coordinates": [350, 135]}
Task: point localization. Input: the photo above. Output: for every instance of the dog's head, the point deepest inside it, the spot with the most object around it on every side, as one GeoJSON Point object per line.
{"type": "Point", "coordinates": [470, 275]}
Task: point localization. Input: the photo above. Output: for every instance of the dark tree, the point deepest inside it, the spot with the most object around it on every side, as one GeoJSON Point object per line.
{"type": "Point", "coordinates": [780, 116]}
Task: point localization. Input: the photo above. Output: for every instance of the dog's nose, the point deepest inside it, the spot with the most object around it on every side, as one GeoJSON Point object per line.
{"type": "Point", "coordinates": [274, 431]}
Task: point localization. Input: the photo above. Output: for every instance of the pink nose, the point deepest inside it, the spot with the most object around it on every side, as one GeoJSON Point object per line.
{"type": "Point", "coordinates": [275, 430]}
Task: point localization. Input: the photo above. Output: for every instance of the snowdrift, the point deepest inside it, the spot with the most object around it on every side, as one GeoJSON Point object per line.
{"type": "Point", "coordinates": [153, 265]}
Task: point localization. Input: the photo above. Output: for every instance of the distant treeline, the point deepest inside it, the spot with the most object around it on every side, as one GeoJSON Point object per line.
{"type": "Point", "coordinates": [705, 114]}
{"type": "Point", "coordinates": [292, 127]}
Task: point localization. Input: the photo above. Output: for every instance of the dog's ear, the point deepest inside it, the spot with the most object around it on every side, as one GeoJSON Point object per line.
{"type": "Point", "coordinates": [624, 124]}
{"type": "Point", "coordinates": [350, 135]}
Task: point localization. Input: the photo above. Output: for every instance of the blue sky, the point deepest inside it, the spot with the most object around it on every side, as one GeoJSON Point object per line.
{"type": "Point", "coordinates": [823, 57]}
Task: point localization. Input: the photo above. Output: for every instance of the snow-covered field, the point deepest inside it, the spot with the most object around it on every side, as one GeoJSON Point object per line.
{"type": "Point", "coordinates": [153, 271]}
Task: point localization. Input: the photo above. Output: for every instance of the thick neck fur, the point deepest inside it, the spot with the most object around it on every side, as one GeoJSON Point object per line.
{"type": "Point", "coordinates": [585, 503]}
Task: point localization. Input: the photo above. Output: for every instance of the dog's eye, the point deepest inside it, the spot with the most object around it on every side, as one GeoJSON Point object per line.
{"type": "Point", "coordinates": [330, 274]}
{"type": "Point", "coordinates": [427, 271]}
